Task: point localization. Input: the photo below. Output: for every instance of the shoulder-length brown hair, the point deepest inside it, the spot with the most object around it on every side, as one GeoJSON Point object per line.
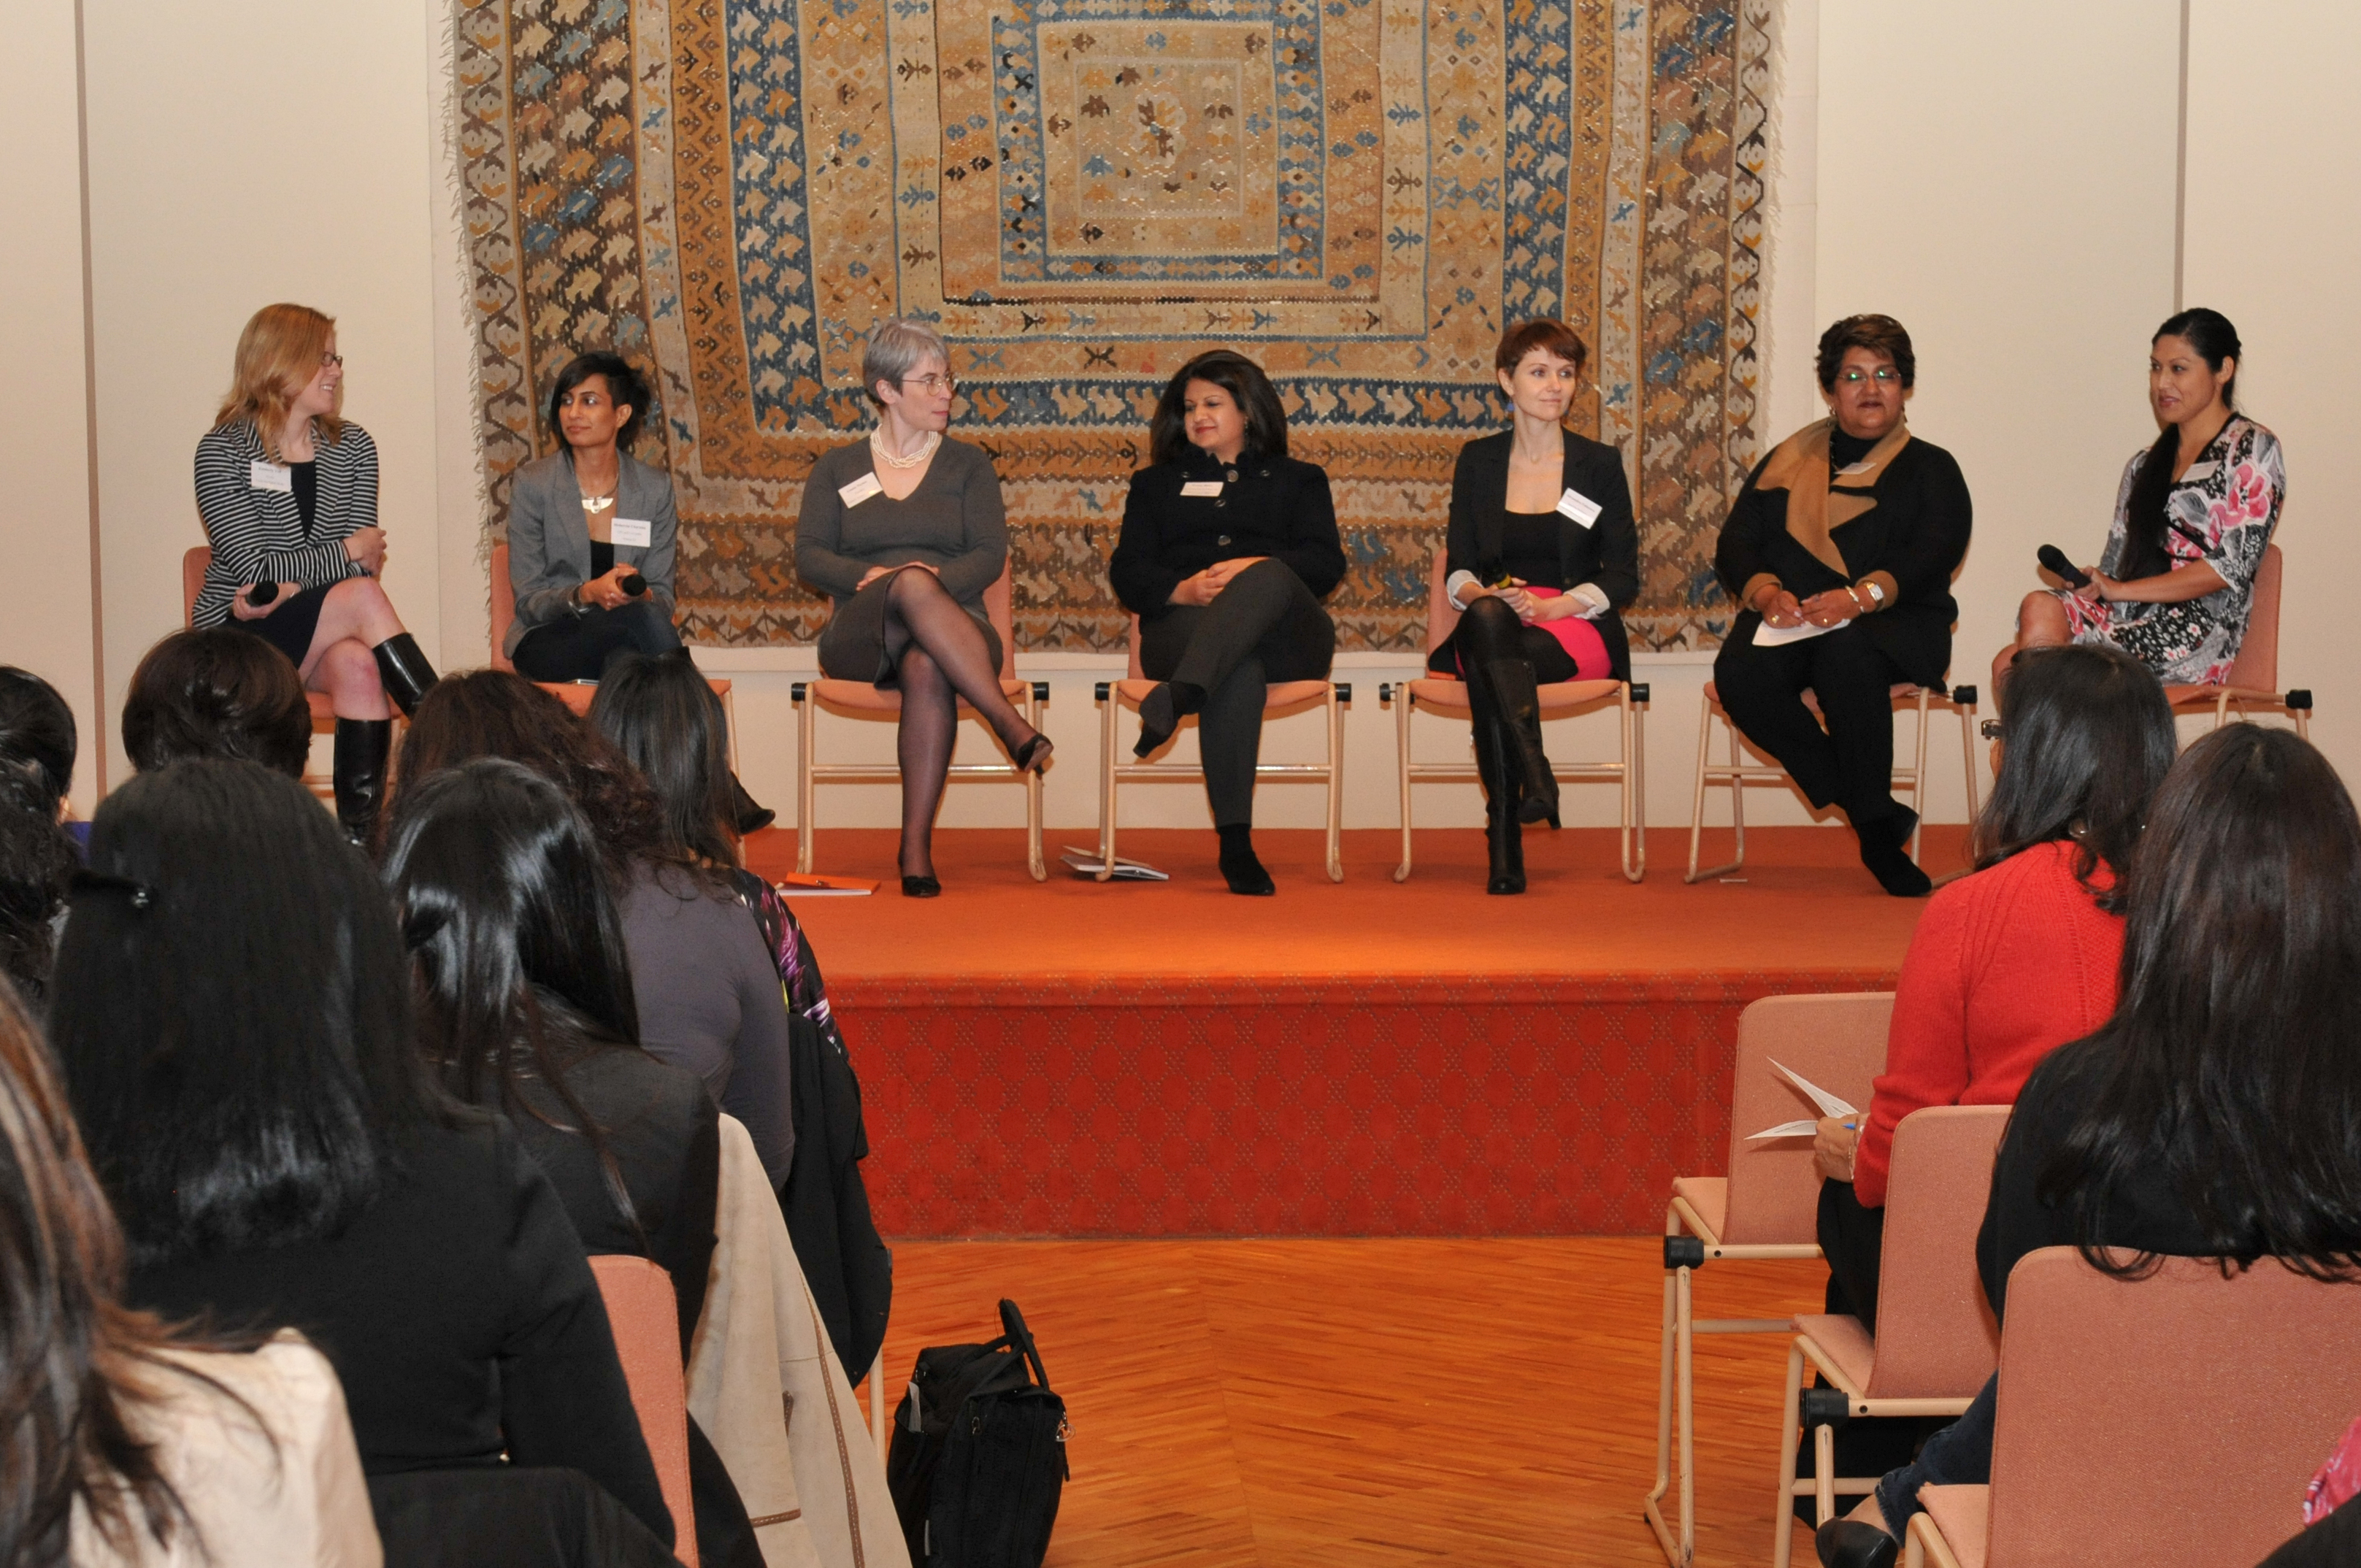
{"type": "Point", "coordinates": [1168, 435]}
{"type": "Point", "coordinates": [277, 355]}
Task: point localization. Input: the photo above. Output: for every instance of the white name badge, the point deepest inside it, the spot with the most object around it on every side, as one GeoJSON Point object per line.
{"type": "Point", "coordinates": [636, 531]}
{"type": "Point", "coordinates": [1202, 488]}
{"type": "Point", "coordinates": [270, 476]}
{"type": "Point", "coordinates": [859, 490]}
{"type": "Point", "coordinates": [1579, 506]}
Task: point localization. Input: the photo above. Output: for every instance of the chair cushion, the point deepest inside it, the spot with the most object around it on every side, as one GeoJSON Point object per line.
{"type": "Point", "coordinates": [864, 698]}
{"type": "Point", "coordinates": [1283, 694]}
{"type": "Point", "coordinates": [1845, 1347]}
{"type": "Point", "coordinates": [1710, 1197]}
{"type": "Point", "coordinates": [1902, 691]}
{"type": "Point", "coordinates": [1964, 1516]}
{"type": "Point", "coordinates": [1445, 695]}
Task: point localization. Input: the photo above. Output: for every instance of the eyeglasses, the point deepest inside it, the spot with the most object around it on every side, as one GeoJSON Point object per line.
{"type": "Point", "coordinates": [1884, 375]}
{"type": "Point", "coordinates": [328, 359]}
{"type": "Point", "coordinates": [932, 384]}
{"type": "Point", "coordinates": [1993, 730]}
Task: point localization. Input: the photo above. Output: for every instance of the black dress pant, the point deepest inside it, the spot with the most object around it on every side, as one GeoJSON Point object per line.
{"type": "Point", "coordinates": [1851, 762]}
{"type": "Point", "coordinates": [1264, 628]}
{"type": "Point", "coordinates": [1852, 1238]}
{"type": "Point", "coordinates": [576, 648]}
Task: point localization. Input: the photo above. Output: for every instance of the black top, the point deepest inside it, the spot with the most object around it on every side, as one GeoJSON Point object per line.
{"type": "Point", "coordinates": [1268, 505]}
{"type": "Point", "coordinates": [1917, 531]}
{"type": "Point", "coordinates": [602, 557]}
{"type": "Point", "coordinates": [663, 1133]}
{"type": "Point", "coordinates": [1606, 553]}
{"type": "Point", "coordinates": [305, 477]}
{"type": "Point", "coordinates": [1529, 549]}
{"type": "Point", "coordinates": [2145, 1215]}
{"type": "Point", "coordinates": [460, 1315]}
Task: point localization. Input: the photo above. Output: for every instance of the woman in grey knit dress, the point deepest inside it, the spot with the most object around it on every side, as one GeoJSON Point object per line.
{"type": "Point", "coordinates": [905, 531]}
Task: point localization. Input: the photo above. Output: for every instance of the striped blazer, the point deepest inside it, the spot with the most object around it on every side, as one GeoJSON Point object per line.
{"type": "Point", "coordinates": [256, 532]}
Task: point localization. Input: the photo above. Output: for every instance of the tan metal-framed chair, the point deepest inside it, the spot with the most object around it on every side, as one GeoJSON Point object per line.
{"type": "Point", "coordinates": [1936, 1344]}
{"type": "Point", "coordinates": [1284, 697]}
{"type": "Point", "coordinates": [644, 1316]}
{"type": "Point", "coordinates": [1447, 695]}
{"type": "Point", "coordinates": [577, 695]}
{"type": "Point", "coordinates": [2171, 1421]}
{"type": "Point", "coordinates": [1738, 773]}
{"type": "Point", "coordinates": [858, 699]}
{"type": "Point", "coordinates": [2254, 678]}
{"type": "Point", "coordinates": [1766, 1207]}
{"type": "Point", "coordinates": [194, 563]}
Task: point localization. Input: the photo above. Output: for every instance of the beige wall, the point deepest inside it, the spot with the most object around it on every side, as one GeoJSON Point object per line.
{"type": "Point", "coordinates": [45, 530]}
{"type": "Point", "coordinates": [2012, 204]}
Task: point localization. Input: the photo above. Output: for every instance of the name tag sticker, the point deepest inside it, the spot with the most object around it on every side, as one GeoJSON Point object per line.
{"type": "Point", "coordinates": [1202, 488]}
{"type": "Point", "coordinates": [859, 490]}
{"type": "Point", "coordinates": [270, 476]}
{"type": "Point", "coordinates": [1579, 506]}
{"type": "Point", "coordinates": [636, 531]}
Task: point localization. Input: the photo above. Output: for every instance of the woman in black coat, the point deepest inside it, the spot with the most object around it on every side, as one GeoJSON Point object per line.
{"type": "Point", "coordinates": [1228, 546]}
{"type": "Point", "coordinates": [1848, 520]}
{"type": "Point", "coordinates": [1542, 556]}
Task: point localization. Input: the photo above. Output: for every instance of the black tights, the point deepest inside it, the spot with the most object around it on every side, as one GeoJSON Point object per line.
{"type": "Point", "coordinates": [938, 657]}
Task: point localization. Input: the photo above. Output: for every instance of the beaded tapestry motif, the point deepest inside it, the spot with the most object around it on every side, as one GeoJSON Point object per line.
{"type": "Point", "coordinates": [1081, 194]}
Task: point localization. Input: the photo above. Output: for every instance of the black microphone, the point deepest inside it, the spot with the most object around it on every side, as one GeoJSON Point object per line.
{"type": "Point", "coordinates": [632, 584]}
{"type": "Point", "coordinates": [2055, 560]}
{"type": "Point", "coordinates": [261, 594]}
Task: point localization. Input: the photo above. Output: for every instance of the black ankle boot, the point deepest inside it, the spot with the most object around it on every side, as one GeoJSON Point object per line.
{"type": "Point", "coordinates": [403, 669]}
{"type": "Point", "coordinates": [362, 747]}
{"type": "Point", "coordinates": [1511, 681]}
{"type": "Point", "coordinates": [746, 815]}
{"type": "Point", "coordinates": [1241, 868]}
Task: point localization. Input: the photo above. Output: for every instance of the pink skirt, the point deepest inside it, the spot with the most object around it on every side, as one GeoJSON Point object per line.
{"type": "Point", "coordinates": [1578, 637]}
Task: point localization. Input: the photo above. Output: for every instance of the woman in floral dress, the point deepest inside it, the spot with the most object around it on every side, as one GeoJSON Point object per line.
{"type": "Point", "coordinates": [2192, 517]}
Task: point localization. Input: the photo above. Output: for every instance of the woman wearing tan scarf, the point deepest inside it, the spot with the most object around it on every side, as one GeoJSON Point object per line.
{"type": "Point", "coordinates": [1848, 520]}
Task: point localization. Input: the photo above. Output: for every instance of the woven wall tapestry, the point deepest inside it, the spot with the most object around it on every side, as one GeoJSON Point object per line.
{"type": "Point", "coordinates": [1081, 194]}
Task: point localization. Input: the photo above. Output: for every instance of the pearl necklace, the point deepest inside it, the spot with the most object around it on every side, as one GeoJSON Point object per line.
{"type": "Point", "coordinates": [924, 451]}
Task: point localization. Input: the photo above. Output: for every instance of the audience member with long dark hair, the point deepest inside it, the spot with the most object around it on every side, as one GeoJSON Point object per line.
{"type": "Point", "coordinates": [221, 693]}
{"type": "Point", "coordinates": [525, 1006]}
{"type": "Point", "coordinates": [1228, 546]}
{"type": "Point", "coordinates": [37, 746]}
{"type": "Point", "coordinates": [2194, 515]}
{"type": "Point", "coordinates": [663, 717]}
{"type": "Point", "coordinates": [2218, 1112]}
{"type": "Point", "coordinates": [122, 1441]}
{"type": "Point", "coordinates": [709, 994]}
{"type": "Point", "coordinates": [905, 532]}
{"type": "Point", "coordinates": [287, 1162]}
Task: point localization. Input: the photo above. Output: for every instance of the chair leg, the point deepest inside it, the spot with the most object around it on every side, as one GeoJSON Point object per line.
{"type": "Point", "coordinates": [729, 723]}
{"type": "Point", "coordinates": [1635, 789]}
{"type": "Point", "coordinates": [1107, 711]}
{"type": "Point", "coordinates": [1823, 1474]}
{"type": "Point", "coordinates": [1335, 786]}
{"type": "Point", "coordinates": [1696, 801]}
{"type": "Point", "coordinates": [1033, 860]}
{"type": "Point", "coordinates": [1967, 756]}
{"type": "Point", "coordinates": [1402, 756]}
{"type": "Point", "coordinates": [1918, 778]}
{"type": "Point", "coordinates": [1676, 1411]}
{"type": "Point", "coordinates": [807, 727]}
{"type": "Point", "coordinates": [1782, 1517]}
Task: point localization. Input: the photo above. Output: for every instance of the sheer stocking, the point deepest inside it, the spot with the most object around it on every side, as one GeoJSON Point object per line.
{"type": "Point", "coordinates": [940, 656]}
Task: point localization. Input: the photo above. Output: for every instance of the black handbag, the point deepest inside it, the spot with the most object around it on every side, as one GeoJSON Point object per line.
{"type": "Point", "coordinates": [979, 1454]}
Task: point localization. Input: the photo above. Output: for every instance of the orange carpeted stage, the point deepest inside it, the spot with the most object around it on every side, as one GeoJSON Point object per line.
{"type": "Point", "coordinates": [1362, 1059]}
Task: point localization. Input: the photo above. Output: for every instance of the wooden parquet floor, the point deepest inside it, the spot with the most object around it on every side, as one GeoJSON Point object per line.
{"type": "Point", "coordinates": [1370, 1402]}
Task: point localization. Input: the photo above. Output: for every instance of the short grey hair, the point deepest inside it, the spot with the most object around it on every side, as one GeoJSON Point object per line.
{"type": "Point", "coordinates": [898, 346]}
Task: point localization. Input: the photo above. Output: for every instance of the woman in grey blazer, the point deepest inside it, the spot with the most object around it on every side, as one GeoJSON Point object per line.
{"type": "Point", "coordinates": [905, 531]}
{"type": "Point", "coordinates": [591, 533]}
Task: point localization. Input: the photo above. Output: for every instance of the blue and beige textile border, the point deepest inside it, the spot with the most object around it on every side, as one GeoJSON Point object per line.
{"type": "Point", "coordinates": [1081, 194]}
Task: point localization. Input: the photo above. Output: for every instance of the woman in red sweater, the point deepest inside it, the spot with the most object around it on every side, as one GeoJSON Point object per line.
{"type": "Point", "coordinates": [2020, 958]}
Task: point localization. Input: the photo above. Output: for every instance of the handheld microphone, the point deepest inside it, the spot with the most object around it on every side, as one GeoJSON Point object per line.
{"type": "Point", "coordinates": [261, 594]}
{"type": "Point", "coordinates": [632, 584]}
{"type": "Point", "coordinates": [2055, 560]}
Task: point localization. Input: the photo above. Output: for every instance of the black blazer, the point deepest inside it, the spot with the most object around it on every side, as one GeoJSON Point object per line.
{"type": "Point", "coordinates": [1606, 553]}
{"type": "Point", "coordinates": [1269, 506]}
{"type": "Point", "coordinates": [1917, 534]}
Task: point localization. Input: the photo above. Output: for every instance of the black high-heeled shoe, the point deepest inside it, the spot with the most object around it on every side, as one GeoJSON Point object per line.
{"type": "Point", "coordinates": [1032, 757]}
{"type": "Point", "coordinates": [1848, 1543]}
{"type": "Point", "coordinates": [921, 887]}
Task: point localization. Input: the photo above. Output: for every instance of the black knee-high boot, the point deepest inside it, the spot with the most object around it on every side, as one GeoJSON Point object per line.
{"type": "Point", "coordinates": [1520, 705]}
{"type": "Point", "coordinates": [748, 815]}
{"type": "Point", "coordinates": [403, 668]}
{"type": "Point", "coordinates": [362, 748]}
{"type": "Point", "coordinates": [1504, 836]}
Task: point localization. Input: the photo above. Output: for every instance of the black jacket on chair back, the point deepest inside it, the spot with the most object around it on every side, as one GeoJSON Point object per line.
{"type": "Point", "coordinates": [1606, 553]}
{"type": "Point", "coordinates": [1259, 505]}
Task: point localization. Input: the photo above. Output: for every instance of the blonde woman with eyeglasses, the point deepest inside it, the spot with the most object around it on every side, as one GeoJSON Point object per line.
{"type": "Point", "coordinates": [287, 487]}
{"type": "Point", "coordinates": [905, 531]}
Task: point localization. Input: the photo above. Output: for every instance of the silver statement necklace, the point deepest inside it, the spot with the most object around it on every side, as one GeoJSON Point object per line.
{"type": "Point", "coordinates": [926, 449]}
{"type": "Point", "coordinates": [597, 503]}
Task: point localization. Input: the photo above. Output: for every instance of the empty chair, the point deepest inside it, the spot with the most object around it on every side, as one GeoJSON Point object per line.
{"type": "Point", "coordinates": [2253, 682]}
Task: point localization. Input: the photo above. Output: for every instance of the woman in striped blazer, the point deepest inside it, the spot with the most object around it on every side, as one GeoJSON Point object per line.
{"type": "Point", "coordinates": [288, 491]}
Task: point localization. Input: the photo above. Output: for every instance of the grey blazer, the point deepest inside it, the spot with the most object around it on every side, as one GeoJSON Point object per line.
{"type": "Point", "coordinates": [549, 542]}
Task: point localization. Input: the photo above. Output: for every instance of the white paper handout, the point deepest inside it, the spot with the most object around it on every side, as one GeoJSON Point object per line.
{"type": "Point", "coordinates": [1086, 862]}
{"type": "Point", "coordinates": [1828, 1103]}
{"type": "Point", "coordinates": [1769, 636]}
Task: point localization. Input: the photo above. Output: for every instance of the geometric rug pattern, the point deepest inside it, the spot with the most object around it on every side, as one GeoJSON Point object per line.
{"type": "Point", "coordinates": [1081, 194]}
